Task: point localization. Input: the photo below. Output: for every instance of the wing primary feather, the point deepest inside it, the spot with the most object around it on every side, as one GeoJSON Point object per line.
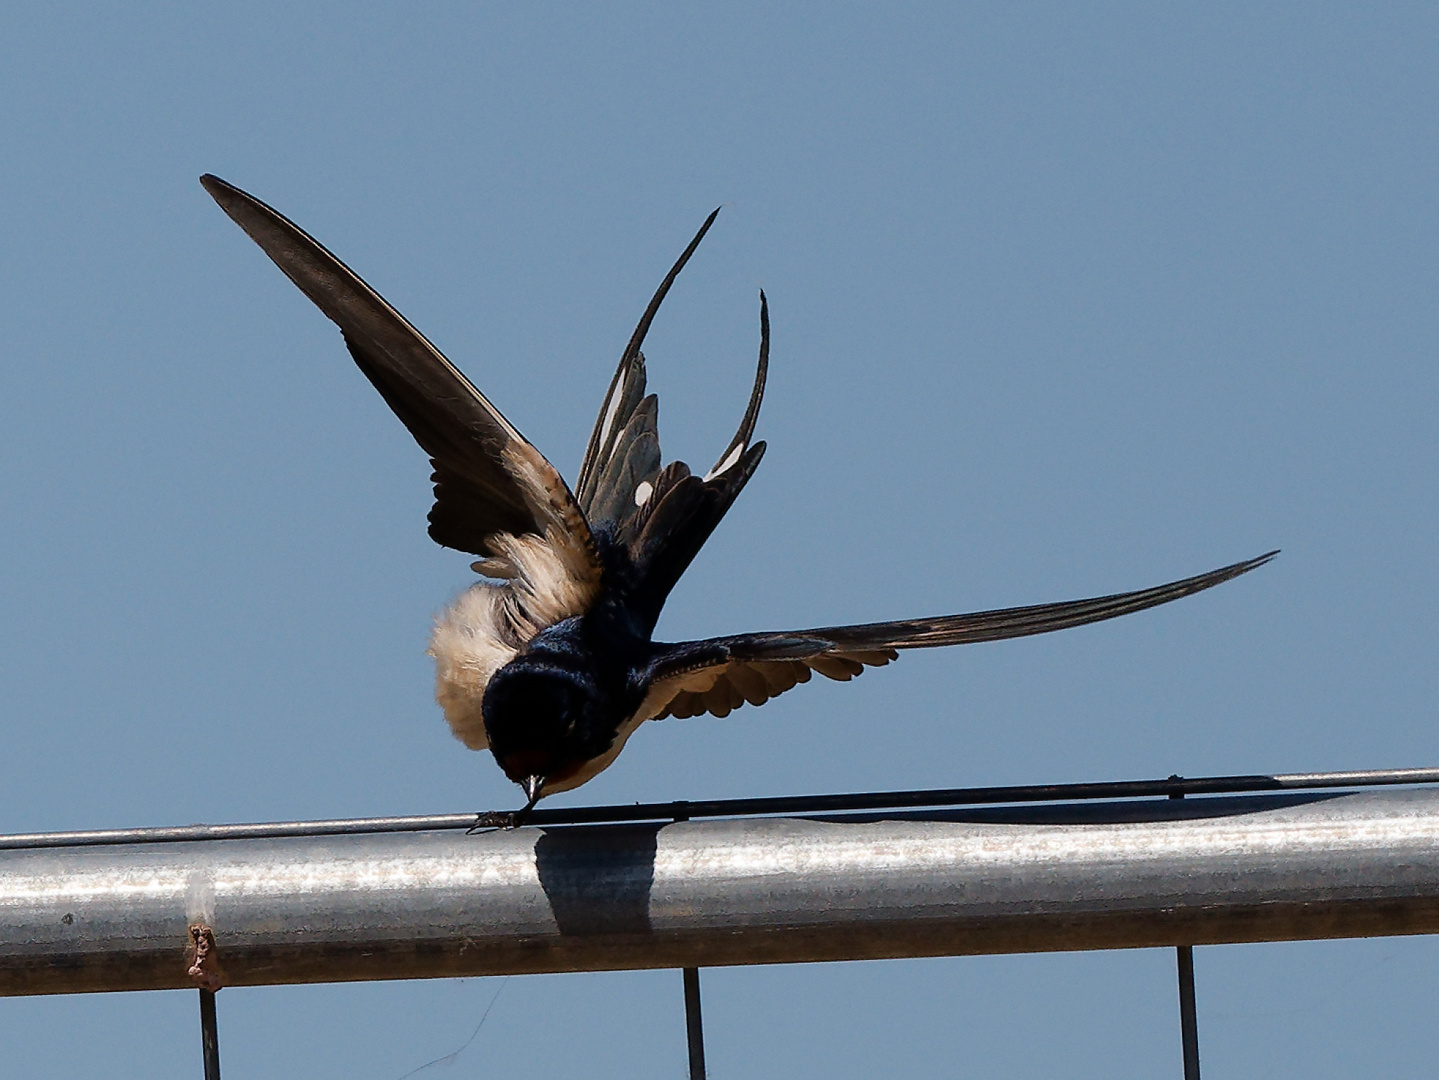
{"type": "Point", "coordinates": [333, 287]}
{"type": "Point", "coordinates": [1024, 621]}
{"type": "Point", "coordinates": [841, 652]}
{"type": "Point", "coordinates": [489, 480]}
{"type": "Point", "coordinates": [740, 442]}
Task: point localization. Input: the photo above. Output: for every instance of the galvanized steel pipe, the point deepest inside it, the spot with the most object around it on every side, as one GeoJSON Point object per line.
{"type": "Point", "coordinates": [697, 894]}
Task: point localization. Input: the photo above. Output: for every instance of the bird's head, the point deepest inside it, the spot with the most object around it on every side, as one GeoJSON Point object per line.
{"type": "Point", "coordinates": [542, 722]}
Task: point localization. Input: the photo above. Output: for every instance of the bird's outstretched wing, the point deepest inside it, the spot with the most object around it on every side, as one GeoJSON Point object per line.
{"type": "Point", "coordinates": [719, 675]}
{"type": "Point", "coordinates": [659, 517]}
{"type": "Point", "coordinates": [490, 482]}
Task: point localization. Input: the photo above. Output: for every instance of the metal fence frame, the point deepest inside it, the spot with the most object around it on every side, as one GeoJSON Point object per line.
{"type": "Point", "coordinates": [919, 873]}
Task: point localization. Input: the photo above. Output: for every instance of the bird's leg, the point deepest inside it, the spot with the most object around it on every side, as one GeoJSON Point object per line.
{"type": "Point", "coordinates": [510, 819]}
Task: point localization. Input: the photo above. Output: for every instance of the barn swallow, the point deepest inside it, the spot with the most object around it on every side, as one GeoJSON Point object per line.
{"type": "Point", "coordinates": [548, 660]}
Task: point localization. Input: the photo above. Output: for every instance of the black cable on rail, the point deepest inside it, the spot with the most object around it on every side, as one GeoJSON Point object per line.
{"type": "Point", "coordinates": [1169, 787]}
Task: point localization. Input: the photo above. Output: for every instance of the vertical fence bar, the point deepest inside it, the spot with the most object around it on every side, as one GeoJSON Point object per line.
{"type": "Point", "coordinates": [209, 1035]}
{"type": "Point", "coordinates": [694, 1025]}
{"type": "Point", "coordinates": [694, 1022]}
{"type": "Point", "coordinates": [1188, 1011]}
{"type": "Point", "coordinates": [1188, 1014]}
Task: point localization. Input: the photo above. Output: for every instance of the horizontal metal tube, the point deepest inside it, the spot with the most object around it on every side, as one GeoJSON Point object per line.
{"type": "Point", "coordinates": [697, 894]}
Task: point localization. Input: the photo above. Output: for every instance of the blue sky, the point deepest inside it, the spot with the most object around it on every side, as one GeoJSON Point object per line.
{"type": "Point", "coordinates": [1065, 301]}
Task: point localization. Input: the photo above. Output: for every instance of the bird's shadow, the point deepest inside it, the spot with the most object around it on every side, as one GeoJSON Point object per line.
{"type": "Point", "coordinates": [598, 879]}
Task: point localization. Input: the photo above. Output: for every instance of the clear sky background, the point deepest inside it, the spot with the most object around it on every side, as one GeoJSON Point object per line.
{"type": "Point", "coordinates": [1065, 302]}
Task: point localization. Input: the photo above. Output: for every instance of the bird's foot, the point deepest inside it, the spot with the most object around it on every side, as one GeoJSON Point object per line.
{"type": "Point", "coordinates": [494, 819]}
{"type": "Point", "coordinates": [499, 819]}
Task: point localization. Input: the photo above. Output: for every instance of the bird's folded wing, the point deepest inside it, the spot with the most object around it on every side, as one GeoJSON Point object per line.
{"type": "Point", "coordinates": [488, 478]}
{"type": "Point", "coordinates": [719, 675]}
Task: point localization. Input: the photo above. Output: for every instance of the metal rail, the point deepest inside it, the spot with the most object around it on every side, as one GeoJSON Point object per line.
{"type": "Point", "coordinates": [381, 904]}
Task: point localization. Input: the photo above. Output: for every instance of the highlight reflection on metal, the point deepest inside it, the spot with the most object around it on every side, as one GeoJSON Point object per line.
{"type": "Point", "coordinates": [704, 893]}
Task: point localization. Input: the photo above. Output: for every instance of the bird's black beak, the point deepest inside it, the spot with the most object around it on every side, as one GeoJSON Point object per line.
{"type": "Point", "coordinates": [534, 785]}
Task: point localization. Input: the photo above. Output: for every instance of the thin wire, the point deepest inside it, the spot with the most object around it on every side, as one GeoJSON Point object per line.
{"type": "Point", "coordinates": [449, 1058]}
{"type": "Point", "coordinates": [1170, 787]}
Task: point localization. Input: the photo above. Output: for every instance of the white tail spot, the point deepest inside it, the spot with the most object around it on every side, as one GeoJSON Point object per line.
{"type": "Point", "coordinates": [610, 409]}
{"type": "Point", "coordinates": [727, 463]}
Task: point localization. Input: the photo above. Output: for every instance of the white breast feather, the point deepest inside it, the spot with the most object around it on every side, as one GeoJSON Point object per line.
{"type": "Point", "coordinates": [487, 624]}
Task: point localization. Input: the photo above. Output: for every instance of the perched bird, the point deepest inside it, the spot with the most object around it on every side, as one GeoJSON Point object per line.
{"type": "Point", "coordinates": [548, 660]}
